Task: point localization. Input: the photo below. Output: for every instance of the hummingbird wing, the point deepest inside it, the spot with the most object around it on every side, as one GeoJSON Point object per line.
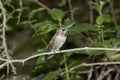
{"type": "Point", "coordinates": [60, 40]}
{"type": "Point", "coordinates": [50, 47]}
{"type": "Point", "coordinates": [56, 43]}
{"type": "Point", "coordinates": [51, 44]}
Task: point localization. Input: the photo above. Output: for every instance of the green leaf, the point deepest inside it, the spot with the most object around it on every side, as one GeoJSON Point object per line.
{"type": "Point", "coordinates": [40, 60]}
{"type": "Point", "coordinates": [112, 42]}
{"type": "Point", "coordinates": [27, 22]}
{"type": "Point", "coordinates": [44, 27]}
{"type": "Point", "coordinates": [102, 3]}
{"type": "Point", "coordinates": [110, 54]}
{"type": "Point", "coordinates": [51, 75]}
{"type": "Point", "coordinates": [106, 18]}
{"type": "Point", "coordinates": [2, 77]}
{"type": "Point", "coordinates": [81, 28]}
{"type": "Point", "coordinates": [35, 11]}
{"type": "Point", "coordinates": [69, 23]}
{"type": "Point", "coordinates": [9, 28]}
{"type": "Point", "coordinates": [57, 14]}
{"type": "Point", "coordinates": [102, 18]}
{"type": "Point", "coordinates": [99, 20]}
{"type": "Point", "coordinates": [94, 52]}
{"type": "Point", "coordinates": [95, 6]}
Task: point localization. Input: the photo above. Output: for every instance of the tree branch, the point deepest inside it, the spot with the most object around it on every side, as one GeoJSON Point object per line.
{"type": "Point", "coordinates": [3, 35]}
{"type": "Point", "coordinates": [64, 51]}
{"type": "Point", "coordinates": [42, 5]}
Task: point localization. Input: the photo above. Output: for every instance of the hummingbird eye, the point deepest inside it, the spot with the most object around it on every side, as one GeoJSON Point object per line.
{"type": "Point", "coordinates": [63, 29]}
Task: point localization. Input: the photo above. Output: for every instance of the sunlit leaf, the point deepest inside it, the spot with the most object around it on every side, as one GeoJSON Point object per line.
{"type": "Point", "coordinates": [99, 20]}
{"type": "Point", "coordinates": [106, 18]}
{"type": "Point", "coordinates": [57, 14]}
{"type": "Point", "coordinates": [44, 27]}
{"type": "Point", "coordinates": [80, 28]}
{"type": "Point", "coordinates": [102, 3]}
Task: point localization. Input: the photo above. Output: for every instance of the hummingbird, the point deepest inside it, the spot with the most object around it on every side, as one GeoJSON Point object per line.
{"type": "Point", "coordinates": [57, 40]}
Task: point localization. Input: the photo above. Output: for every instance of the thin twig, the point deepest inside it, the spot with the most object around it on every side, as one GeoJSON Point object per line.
{"type": "Point", "coordinates": [20, 12]}
{"type": "Point", "coordinates": [117, 76]}
{"type": "Point", "coordinates": [66, 67]}
{"type": "Point", "coordinates": [91, 12]}
{"type": "Point", "coordinates": [94, 64]}
{"type": "Point", "coordinates": [89, 39]}
{"type": "Point", "coordinates": [4, 64]}
{"type": "Point", "coordinates": [115, 66]}
{"type": "Point", "coordinates": [4, 44]}
{"type": "Point", "coordinates": [90, 73]}
{"type": "Point", "coordinates": [71, 9]}
{"type": "Point", "coordinates": [109, 77]}
{"type": "Point", "coordinates": [42, 5]}
{"type": "Point", "coordinates": [105, 73]}
{"type": "Point", "coordinates": [102, 71]}
{"type": "Point", "coordinates": [78, 72]}
{"type": "Point", "coordinates": [111, 2]}
{"type": "Point", "coordinates": [65, 51]}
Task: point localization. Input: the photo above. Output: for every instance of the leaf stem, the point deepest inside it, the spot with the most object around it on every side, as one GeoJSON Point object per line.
{"type": "Point", "coordinates": [66, 67]}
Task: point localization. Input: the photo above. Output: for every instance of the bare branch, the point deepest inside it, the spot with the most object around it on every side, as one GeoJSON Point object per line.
{"type": "Point", "coordinates": [68, 50]}
{"type": "Point", "coordinates": [4, 44]}
{"type": "Point", "coordinates": [42, 5]}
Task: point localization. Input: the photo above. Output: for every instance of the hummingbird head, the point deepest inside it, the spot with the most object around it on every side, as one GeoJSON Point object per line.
{"type": "Point", "coordinates": [62, 31]}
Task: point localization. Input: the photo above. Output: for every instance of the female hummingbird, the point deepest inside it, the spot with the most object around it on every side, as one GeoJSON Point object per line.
{"type": "Point", "coordinates": [58, 40]}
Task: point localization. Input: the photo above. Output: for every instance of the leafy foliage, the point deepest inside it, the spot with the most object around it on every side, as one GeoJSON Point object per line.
{"type": "Point", "coordinates": [30, 28]}
{"type": "Point", "coordinates": [57, 14]}
{"type": "Point", "coordinates": [81, 28]}
{"type": "Point", "coordinates": [44, 27]}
